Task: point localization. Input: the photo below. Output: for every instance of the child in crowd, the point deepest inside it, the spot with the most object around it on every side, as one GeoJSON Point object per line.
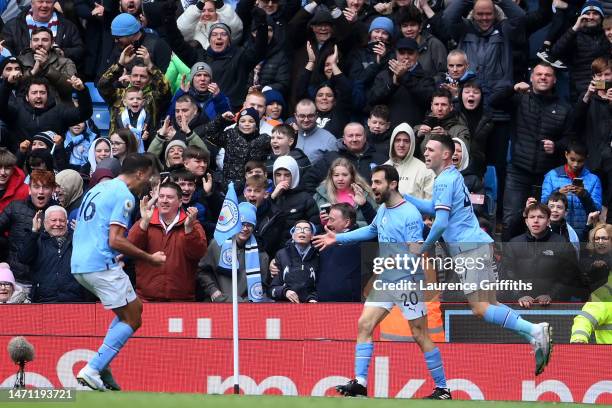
{"type": "Point", "coordinates": [135, 117]}
{"type": "Point", "coordinates": [77, 141]}
{"type": "Point", "coordinates": [282, 143]}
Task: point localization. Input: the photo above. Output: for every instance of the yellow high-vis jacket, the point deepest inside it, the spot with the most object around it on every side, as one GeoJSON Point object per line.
{"type": "Point", "coordinates": [596, 315]}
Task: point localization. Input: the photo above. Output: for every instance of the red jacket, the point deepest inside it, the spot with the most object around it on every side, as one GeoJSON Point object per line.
{"type": "Point", "coordinates": [15, 189]}
{"type": "Point", "coordinates": [176, 279]}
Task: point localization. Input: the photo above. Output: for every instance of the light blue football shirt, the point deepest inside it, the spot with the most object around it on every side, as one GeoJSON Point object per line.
{"type": "Point", "coordinates": [451, 194]}
{"type": "Point", "coordinates": [106, 204]}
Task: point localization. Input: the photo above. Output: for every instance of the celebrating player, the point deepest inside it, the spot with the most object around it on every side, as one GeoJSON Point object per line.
{"type": "Point", "coordinates": [456, 223]}
{"type": "Point", "coordinates": [98, 240]}
{"type": "Point", "coordinates": [398, 226]}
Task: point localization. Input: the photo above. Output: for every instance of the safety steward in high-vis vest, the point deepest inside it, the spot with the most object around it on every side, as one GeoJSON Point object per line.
{"type": "Point", "coordinates": [395, 327]}
{"type": "Point", "coordinates": [595, 316]}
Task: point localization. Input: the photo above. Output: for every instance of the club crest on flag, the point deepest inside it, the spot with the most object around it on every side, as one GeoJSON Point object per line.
{"type": "Point", "coordinates": [228, 217]}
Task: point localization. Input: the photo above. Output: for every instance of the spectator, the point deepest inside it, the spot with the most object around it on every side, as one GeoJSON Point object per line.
{"type": "Point", "coordinates": [414, 178]}
{"type": "Point", "coordinates": [99, 150]}
{"type": "Point", "coordinates": [273, 70]}
{"type": "Point", "coordinates": [10, 291]}
{"type": "Point", "coordinates": [592, 116]}
{"type": "Point", "coordinates": [276, 108]}
{"type": "Point", "coordinates": [44, 59]}
{"type": "Point", "coordinates": [432, 53]}
{"type": "Point", "coordinates": [135, 117]}
{"type": "Point", "coordinates": [543, 129]}
{"type": "Point", "coordinates": [277, 13]}
{"type": "Point", "coordinates": [206, 94]}
{"type": "Point", "coordinates": [443, 119]}
{"type": "Point", "coordinates": [581, 44]}
{"type": "Point", "coordinates": [581, 187]}
{"type": "Point", "coordinates": [77, 141]}
{"type": "Point", "coordinates": [311, 139]}
{"type": "Point", "coordinates": [354, 147]}
{"type": "Point", "coordinates": [596, 261]}
{"type": "Point", "coordinates": [144, 75]}
{"type": "Point", "coordinates": [281, 142]}
{"type": "Point", "coordinates": [186, 180]}
{"type": "Point", "coordinates": [197, 20]}
{"type": "Point", "coordinates": [270, 220]}
{"type": "Point", "coordinates": [123, 142]}
{"type": "Point", "coordinates": [404, 87]}
{"type": "Point", "coordinates": [542, 258]}
{"type": "Point", "coordinates": [173, 155]}
{"type": "Point", "coordinates": [11, 72]}
{"type": "Point", "coordinates": [378, 131]}
{"type": "Point", "coordinates": [187, 117]}
{"type": "Point", "coordinates": [169, 229]}
{"type": "Point", "coordinates": [49, 141]}
{"type": "Point", "coordinates": [367, 62]}
{"type": "Point", "coordinates": [473, 182]}
{"type": "Point", "coordinates": [557, 203]}
{"type": "Point", "coordinates": [36, 111]}
{"type": "Point", "coordinates": [241, 144]}
{"type": "Point", "coordinates": [298, 263]}
{"type": "Point", "coordinates": [230, 64]}
{"type": "Point", "coordinates": [129, 35]}
{"type": "Point", "coordinates": [486, 38]}
{"type": "Point", "coordinates": [479, 125]}
{"type": "Point", "coordinates": [66, 36]}
{"type": "Point", "coordinates": [456, 71]}
{"type": "Point", "coordinates": [69, 192]}
{"type": "Point", "coordinates": [215, 273]}
{"type": "Point", "coordinates": [16, 219]}
{"type": "Point", "coordinates": [293, 202]}
{"type": "Point", "coordinates": [12, 185]}
{"type": "Point", "coordinates": [344, 185]}
{"type": "Point", "coordinates": [340, 282]}
{"type": "Point", "coordinates": [47, 252]}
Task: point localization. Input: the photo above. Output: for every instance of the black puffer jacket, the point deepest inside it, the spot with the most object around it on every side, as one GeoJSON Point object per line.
{"type": "Point", "coordinates": [537, 117]}
{"type": "Point", "coordinates": [478, 143]}
{"type": "Point", "coordinates": [275, 69]}
{"type": "Point", "coordinates": [52, 280]}
{"type": "Point", "coordinates": [296, 274]}
{"type": "Point", "coordinates": [294, 205]}
{"type": "Point", "coordinates": [25, 121]}
{"type": "Point", "coordinates": [17, 220]}
{"type": "Point", "coordinates": [549, 263]}
{"type": "Point", "coordinates": [578, 50]}
{"type": "Point", "coordinates": [408, 101]}
{"type": "Point", "coordinates": [239, 148]}
{"type": "Point", "coordinates": [16, 36]}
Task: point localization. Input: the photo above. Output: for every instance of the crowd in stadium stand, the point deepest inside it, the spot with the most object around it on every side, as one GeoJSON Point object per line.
{"type": "Point", "coordinates": [295, 102]}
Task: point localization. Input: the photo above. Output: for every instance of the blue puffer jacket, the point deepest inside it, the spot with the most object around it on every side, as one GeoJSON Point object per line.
{"type": "Point", "coordinates": [578, 207]}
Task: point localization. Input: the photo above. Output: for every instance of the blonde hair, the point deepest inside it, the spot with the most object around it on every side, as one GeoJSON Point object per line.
{"type": "Point", "coordinates": [597, 227]}
{"type": "Point", "coordinates": [356, 178]}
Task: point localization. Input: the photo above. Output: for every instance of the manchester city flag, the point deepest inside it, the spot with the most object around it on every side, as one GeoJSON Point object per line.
{"type": "Point", "coordinates": [228, 223]}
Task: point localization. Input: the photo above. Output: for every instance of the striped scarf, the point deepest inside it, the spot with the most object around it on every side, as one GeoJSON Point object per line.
{"type": "Point", "coordinates": [51, 25]}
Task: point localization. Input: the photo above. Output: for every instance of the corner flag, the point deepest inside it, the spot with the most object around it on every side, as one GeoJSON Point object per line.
{"type": "Point", "coordinates": [228, 223]}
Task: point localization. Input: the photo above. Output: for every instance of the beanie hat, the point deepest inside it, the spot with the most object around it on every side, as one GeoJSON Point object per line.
{"type": "Point", "coordinates": [272, 95]}
{"type": "Point", "coordinates": [252, 112]}
{"type": "Point", "coordinates": [248, 213]}
{"type": "Point", "coordinates": [5, 274]}
{"type": "Point", "coordinates": [125, 25]}
{"type": "Point", "coordinates": [382, 23]}
{"type": "Point", "coordinates": [46, 138]}
{"type": "Point", "coordinates": [199, 67]}
{"type": "Point", "coordinates": [593, 5]}
{"type": "Point", "coordinates": [321, 16]}
{"type": "Point", "coordinates": [173, 143]}
{"type": "Point", "coordinates": [222, 26]}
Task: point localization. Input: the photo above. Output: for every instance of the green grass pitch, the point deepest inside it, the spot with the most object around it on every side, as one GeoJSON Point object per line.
{"type": "Point", "coordinates": [152, 400]}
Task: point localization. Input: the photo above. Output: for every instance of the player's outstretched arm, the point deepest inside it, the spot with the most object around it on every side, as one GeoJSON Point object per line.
{"type": "Point", "coordinates": [437, 229]}
{"type": "Point", "coordinates": [425, 207]}
{"type": "Point", "coordinates": [118, 242]}
{"type": "Point", "coordinates": [360, 234]}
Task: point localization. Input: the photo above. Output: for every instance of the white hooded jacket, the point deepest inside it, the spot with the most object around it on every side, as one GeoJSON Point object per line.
{"type": "Point", "coordinates": [193, 29]}
{"type": "Point", "coordinates": [415, 179]}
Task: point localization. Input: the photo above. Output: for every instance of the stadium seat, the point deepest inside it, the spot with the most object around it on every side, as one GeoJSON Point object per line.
{"type": "Point", "coordinates": [96, 98]}
{"type": "Point", "coordinates": [490, 184]}
{"type": "Point", "coordinates": [101, 118]}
